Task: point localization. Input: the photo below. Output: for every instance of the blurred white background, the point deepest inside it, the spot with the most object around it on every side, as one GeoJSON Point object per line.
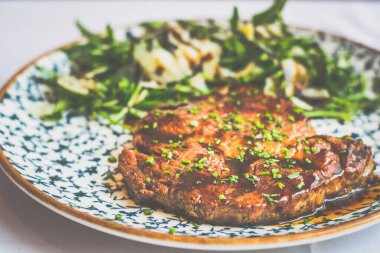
{"type": "Point", "coordinates": [28, 28]}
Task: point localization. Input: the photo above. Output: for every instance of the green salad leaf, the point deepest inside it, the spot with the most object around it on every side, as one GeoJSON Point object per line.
{"type": "Point", "coordinates": [173, 62]}
{"type": "Point", "coordinates": [270, 15]}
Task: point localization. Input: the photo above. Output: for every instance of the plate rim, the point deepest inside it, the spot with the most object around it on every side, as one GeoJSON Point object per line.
{"type": "Point", "coordinates": [175, 240]}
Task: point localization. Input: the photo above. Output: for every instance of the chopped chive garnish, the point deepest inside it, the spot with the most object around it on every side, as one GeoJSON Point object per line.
{"type": "Point", "coordinates": [269, 197]}
{"type": "Point", "coordinates": [112, 159]}
{"type": "Point", "coordinates": [193, 110]}
{"type": "Point", "coordinates": [221, 197]}
{"type": "Point", "coordinates": [281, 185]}
{"type": "Point", "coordinates": [185, 161]}
{"type": "Point", "coordinates": [275, 173]}
{"type": "Point", "coordinates": [237, 119]}
{"type": "Point", "coordinates": [148, 211]}
{"type": "Point", "coordinates": [276, 136]}
{"type": "Point", "coordinates": [263, 154]}
{"type": "Point", "coordinates": [251, 178]}
{"type": "Point", "coordinates": [194, 123]}
{"type": "Point", "coordinates": [259, 125]}
{"type": "Point", "coordinates": [307, 160]}
{"type": "Point", "coordinates": [314, 149]}
{"type": "Point", "coordinates": [299, 186]}
{"type": "Point", "coordinates": [196, 225]}
{"type": "Point", "coordinates": [150, 160]}
{"type": "Point", "coordinates": [118, 216]}
{"type": "Point", "coordinates": [165, 150]}
{"type": "Point", "coordinates": [293, 175]}
{"type": "Point", "coordinates": [154, 125]}
{"type": "Point", "coordinates": [169, 155]}
{"type": "Point", "coordinates": [176, 144]}
{"type": "Point", "coordinates": [227, 128]}
{"type": "Point", "coordinates": [203, 159]}
{"type": "Point", "coordinates": [234, 179]}
{"type": "Point", "coordinates": [286, 152]}
{"type": "Point", "coordinates": [213, 116]}
{"type": "Point", "coordinates": [148, 180]}
{"type": "Point", "coordinates": [237, 127]}
{"type": "Point", "coordinates": [172, 231]}
{"type": "Point", "coordinates": [158, 112]}
{"type": "Point", "coordinates": [216, 175]}
{"type": "Point", "coordinates": [268, 137]}
{"type": "Point", "coordinates": [271, 161]}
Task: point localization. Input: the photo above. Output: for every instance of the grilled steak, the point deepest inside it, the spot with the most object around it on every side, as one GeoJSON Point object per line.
{"type": "Point", "coordinates": [240, 159]}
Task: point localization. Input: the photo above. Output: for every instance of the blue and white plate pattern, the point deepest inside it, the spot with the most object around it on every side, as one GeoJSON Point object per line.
{"type": "Point", "coordinates": [68, 160]}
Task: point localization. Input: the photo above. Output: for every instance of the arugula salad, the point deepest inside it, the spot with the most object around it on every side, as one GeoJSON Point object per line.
{"type": "Point", "coordinates": [174, 62]}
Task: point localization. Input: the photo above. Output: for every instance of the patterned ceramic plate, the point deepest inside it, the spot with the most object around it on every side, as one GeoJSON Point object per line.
{"type": "Point", "coordinates": [64, 166]}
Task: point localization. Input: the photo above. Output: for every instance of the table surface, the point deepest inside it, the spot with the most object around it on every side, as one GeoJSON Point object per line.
{"type": "Point", "coordinates": [28, 28]}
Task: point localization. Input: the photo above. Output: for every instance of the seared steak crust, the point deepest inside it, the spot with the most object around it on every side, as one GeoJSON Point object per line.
{"type": "Point", "coordinates": [240, 159]}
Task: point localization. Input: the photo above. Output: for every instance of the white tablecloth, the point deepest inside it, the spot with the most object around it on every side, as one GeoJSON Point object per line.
{"type": "Point", "coordinates": [28, 28]}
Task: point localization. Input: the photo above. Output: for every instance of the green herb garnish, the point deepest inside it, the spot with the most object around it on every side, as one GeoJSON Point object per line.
{"type": "Point", "coordinates": [293, 175]}
{"type": "Point", "coordinates": [112, 159]}
{"type": "Point", "coordinates": [150, 160]}
{"type": "Point", "coordinates": [148, 211]}
{"type": "Point", "coordinates": [193, 123]}
{"type": "Point", "coordinates": [300, 185]}
{"type": "Point", "coordinates": [222, 197]}
{"type": "Point", "coordinates": [270, 197]}
{"type": "Point", "coordinates": [196, 225]}
{"type": "Point", "coordinates": [185, 161]}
